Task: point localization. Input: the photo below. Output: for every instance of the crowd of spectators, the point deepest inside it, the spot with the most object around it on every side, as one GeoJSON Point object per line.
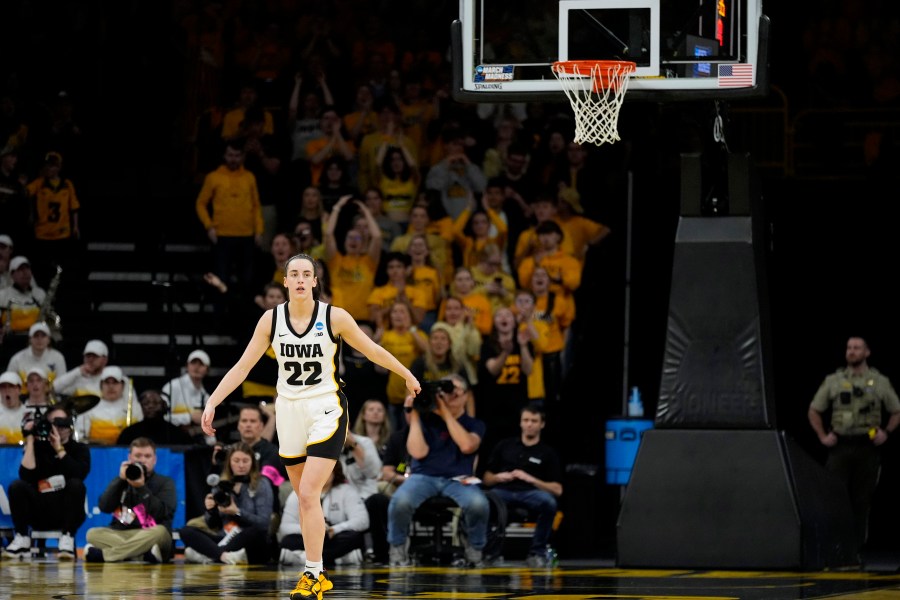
{"type": "Point", "coordinates": [455, 234]}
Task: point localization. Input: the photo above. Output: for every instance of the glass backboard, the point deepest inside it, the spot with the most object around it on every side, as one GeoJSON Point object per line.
{"type": "Point", "coordinates": [683, 49]}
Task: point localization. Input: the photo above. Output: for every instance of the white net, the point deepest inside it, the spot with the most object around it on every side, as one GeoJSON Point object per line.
{"type": "Point", "coordinates": [596, 90]}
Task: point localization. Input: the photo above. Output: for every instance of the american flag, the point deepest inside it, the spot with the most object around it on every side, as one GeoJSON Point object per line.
{"type": "Point", "coordinates": [735, 75]}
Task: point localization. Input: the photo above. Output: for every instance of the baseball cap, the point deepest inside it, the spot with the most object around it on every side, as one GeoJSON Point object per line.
{"type": "Point", "coordinates": [11, 378]}
{"type": "Point", "coordinates": [6, 240]}
{"type": "Point", "coordinates": [18, 261]}
{"type": "Point", "coordinates": [39, 326]}
{"type": "Point", "coordinates": [37, 371]}
{"type": "Point", "coordinates": [96, 347]}
{"type": "Point", "coordinates": [572, 198]}
{"type": "Point", "coordinates": [112, 373]}
{"type": "Point", "coordinates": [199, 355]}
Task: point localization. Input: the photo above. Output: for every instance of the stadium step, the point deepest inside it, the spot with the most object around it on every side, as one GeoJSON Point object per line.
{"type": "Point", "coordinates": [152, 307]}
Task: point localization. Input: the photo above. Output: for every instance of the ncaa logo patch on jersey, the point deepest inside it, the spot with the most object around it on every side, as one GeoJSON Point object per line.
{"type": "Point", "coordinates": [320, 326]}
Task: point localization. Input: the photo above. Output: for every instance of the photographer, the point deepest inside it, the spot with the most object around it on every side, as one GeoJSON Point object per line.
{"type": "Point", "coordinates": [855, 396]}
{"type": "Point", "coordinates": [238, 512]}
{"type": "Point", "coordinates": [443, 442]}
{"type": "Point", "coordinates": [142, 504]}
{"type": "Point", "coordinates": [50, 491]}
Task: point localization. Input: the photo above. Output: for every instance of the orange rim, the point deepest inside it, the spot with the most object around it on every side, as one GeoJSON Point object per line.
{"type": "Point", "coordinates": [600, 70]}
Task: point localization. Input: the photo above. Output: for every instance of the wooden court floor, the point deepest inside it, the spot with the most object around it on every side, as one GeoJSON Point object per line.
{"type": "Point", "coordinates": [49, 579]}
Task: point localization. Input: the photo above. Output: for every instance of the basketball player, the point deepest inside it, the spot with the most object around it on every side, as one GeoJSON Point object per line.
{"type": "Point", "coordinates": [311, 408]}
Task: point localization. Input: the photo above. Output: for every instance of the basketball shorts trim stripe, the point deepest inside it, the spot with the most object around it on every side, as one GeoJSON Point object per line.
{"type": "Point", "coordinates": [314, 426]}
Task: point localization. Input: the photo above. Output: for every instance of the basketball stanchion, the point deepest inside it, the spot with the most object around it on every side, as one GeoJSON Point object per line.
{"type": "Point", "coordinates": [596, 89]}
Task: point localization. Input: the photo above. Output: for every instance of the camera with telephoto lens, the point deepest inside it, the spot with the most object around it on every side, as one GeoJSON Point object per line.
{"type": "Point", "coordinates": [223, 493]}
{"type": "Point", "coordinates": [426, 400]}
{"type": "Point", "coordinates": [220, 454]}
{"type": "Point", "coordinates": [135, 471]}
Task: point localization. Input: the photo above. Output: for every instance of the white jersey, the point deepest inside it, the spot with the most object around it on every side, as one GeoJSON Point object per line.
{"type": "Point", "coordinates": [183, 398]}
{"type": "Point", "coordinates": [51, 361]}
{"type": "Point", "coordinates": [76, 383]}
{"type": "Point", "coordinates": [103, 423]}
{"type": "Point", "coordinates": [11, 424]}
{"type": "Point", "coordinates": [308, 360]}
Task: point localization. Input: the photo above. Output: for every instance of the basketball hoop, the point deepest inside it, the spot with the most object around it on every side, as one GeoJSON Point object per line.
{"type": "Point", "coordinates": [596, 89]}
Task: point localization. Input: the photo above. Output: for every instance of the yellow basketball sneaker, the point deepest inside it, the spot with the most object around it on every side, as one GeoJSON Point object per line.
{"type": "Point", "coordinates": [311, 587]}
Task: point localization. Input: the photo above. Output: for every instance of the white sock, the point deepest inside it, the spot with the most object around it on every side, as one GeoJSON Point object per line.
{"type": "Point", "coordinates": [314, 567]}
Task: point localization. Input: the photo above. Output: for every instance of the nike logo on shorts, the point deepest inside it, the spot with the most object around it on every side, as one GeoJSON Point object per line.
{"type": "Point", "coordinates": [328, 412]}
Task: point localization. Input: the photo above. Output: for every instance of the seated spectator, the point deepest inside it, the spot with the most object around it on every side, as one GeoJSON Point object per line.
{"type": "Point", "coordinates": [443, 444]}
{"type": "Point", "coordinates": [524, 471]}
{"type": "Point", "coordinates": [373, 423]}
{"type": "Point", "coordinates": [238, 513]}
{"type": "Point", "coordinates": [12, 409]}
{"type": "Point", "coordinates": [50, 491]}
{"type": "Point", "coordinates": [155, 424]}
{"type": "Point", "coordinates": [186, 396]}
{"type": "Point", "coordinates": [117, 410]}
{"type": "Point", "coordinates": [20, 304]}
{"type": "Point", "coordinates": [142, 503]}
{"type": "Point", "coordinates": [362, 465]}
{"type": "Point", "coordinates": [256, 428]}
{"type": "Point", "coordinates": [345, 517]}
{"type": "Point", "coordinates": [37, 388]}
{"type": "Point", "coordinates": [394, 470]}
{"type": "Point", "coordinates": [84, 380]}
{"type": "Point", "coordinates": [38, 354]}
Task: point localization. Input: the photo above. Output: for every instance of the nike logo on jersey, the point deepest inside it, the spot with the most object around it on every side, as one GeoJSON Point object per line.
{"type": "Point", "coordinates": [328, 412]}
{"type": "Point", "coordinates": [282, 334]}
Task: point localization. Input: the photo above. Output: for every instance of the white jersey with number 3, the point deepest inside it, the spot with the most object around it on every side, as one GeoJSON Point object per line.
{"type": "Point", "coordinates": [307, 360]}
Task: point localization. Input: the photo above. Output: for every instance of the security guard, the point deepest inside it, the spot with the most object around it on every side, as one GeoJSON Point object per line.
{"type": "Point", "coordinates": [855, 395]}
